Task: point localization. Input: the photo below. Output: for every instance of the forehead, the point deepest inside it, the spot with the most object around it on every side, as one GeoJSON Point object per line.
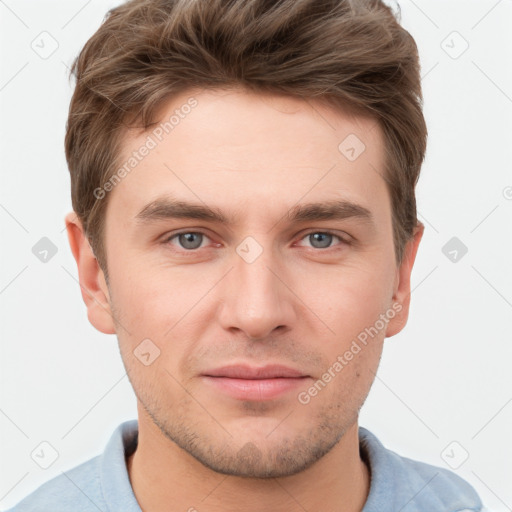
{"type": "Point", "coordinates": [237, 150]}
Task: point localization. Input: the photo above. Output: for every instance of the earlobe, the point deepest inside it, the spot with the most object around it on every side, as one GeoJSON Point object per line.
{"type": "Point", "coordinates": [93, 286]}
{"type": "Point", "coordinates": [402, 290]}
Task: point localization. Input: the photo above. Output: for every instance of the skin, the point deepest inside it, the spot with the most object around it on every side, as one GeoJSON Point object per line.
{"type": "Point", "coordinates": [300, 303]}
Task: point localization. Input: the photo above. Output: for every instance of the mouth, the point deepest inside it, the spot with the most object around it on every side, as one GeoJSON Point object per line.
{"type": "Point", "coordinates": [254, 383]}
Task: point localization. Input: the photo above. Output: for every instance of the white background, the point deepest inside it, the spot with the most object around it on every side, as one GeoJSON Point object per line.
{"type": "Point", "coordinates": [445, 378]}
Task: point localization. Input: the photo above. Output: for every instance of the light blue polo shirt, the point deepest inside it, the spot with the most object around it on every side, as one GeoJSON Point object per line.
{"type": "Point", "coordinates": [397, 483]}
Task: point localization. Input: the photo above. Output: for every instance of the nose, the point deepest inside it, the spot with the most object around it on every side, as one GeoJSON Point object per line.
{"type": "Point", "coordinates": [256, 298]}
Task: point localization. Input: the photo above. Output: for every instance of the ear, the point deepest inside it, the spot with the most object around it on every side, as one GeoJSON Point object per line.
{"type": "Point", "coordinates": [92, 280]}
{"type": "Point", "coordinates": [402, 288]}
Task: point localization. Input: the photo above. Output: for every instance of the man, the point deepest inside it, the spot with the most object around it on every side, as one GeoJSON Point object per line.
{"type": "Point", "coordinates": [243, 177]}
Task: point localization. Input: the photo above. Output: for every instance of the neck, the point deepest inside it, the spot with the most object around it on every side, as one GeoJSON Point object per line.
{"type": "Point", "coordinates": [162, 474]}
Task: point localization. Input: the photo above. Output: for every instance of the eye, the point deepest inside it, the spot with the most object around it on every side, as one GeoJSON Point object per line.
{"type": "Point", "coordinates": [323, 239]}
{"type": "Point", "coordinates": [188, 240]}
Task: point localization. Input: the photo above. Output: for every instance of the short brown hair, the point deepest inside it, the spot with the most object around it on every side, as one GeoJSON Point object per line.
{"type": "Point", "coordinates": [350, 54]}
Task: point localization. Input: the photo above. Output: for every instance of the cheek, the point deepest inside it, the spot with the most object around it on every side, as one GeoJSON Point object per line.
{"type": "Point", "coordinates": [150, 304]}
{"type": "Point", "coordinates": [164, 312]}
{"type": "Point", "coordinates": [350, 300]}
{"type": "Point", "coordinates": [343, 387]}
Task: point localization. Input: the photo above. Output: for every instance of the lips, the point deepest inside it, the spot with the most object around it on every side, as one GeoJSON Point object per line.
{"type": "Point", "coordinates": [251, 372]}
{"type": "Point", "coordinates": [254, 383]}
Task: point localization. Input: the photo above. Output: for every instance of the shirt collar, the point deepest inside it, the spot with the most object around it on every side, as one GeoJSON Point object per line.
{"type": "Point", "coordinates": [395, 481]}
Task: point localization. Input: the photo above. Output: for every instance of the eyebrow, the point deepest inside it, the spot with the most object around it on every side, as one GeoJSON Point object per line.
{"type": "Point", "coordinates": [167, 208]}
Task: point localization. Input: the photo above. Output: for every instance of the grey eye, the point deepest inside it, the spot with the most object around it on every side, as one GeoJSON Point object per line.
{"type": "Point", "coordinates": [323, 240]}
{"type": "Point", "coordinates": [190, 240]}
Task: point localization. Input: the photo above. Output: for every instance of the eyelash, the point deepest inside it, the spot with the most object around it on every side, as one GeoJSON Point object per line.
{"type": "Point", "coordinates": [343, 241]}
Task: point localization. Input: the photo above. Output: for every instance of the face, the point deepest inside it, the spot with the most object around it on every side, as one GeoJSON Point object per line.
{"type": "Point", "coordinates": [252, 276]}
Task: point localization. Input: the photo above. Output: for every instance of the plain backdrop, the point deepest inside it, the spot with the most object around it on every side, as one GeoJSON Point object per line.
{"type": "Point", "coordinates": [443, 393]}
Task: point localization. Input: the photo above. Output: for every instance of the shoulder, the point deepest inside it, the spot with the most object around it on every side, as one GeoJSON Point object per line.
{"type": "Point", "coordinates": [101, 483]}
{"type": "Point", "coordinates": [411, 485]}
{"type": "Point", "coordinates": [76, 489]}
{"type": "Point", "coordinates": [439, 487]}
